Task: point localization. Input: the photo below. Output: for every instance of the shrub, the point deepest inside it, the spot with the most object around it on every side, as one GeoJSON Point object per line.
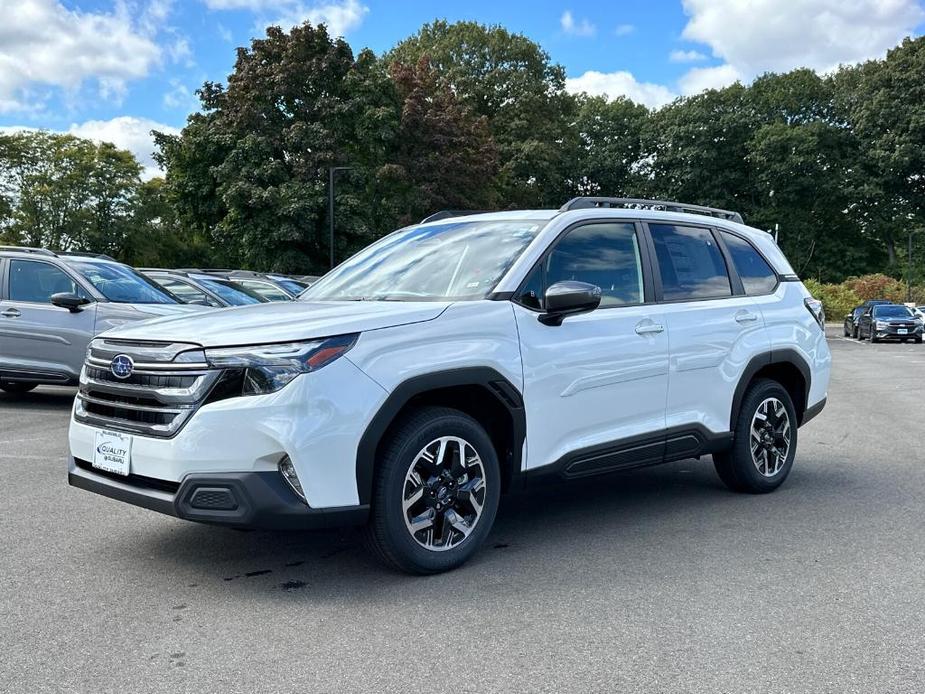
{"type": "Point", "coordinates": [837, 299]}
{"type": "Point", "coordinates": [877, 287]}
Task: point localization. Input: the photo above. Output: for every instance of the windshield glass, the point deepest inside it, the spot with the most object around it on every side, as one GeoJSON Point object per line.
{"type": "Point", "coordinates": [891, 312]}
{"type": "Point", "coordinates": [292, 285]}
{"type": "Point", "coordinates": [454, 261]}
{"type": "Point", "coordinates": [233, 294]}
{"type": "Point", "coordinates": [121, 284]}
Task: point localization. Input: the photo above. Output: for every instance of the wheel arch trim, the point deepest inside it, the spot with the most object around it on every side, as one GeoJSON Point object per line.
{"type": "Point", "coordinates": [760, 361]}
{"type": "Point", "coordinates": [495, 383]}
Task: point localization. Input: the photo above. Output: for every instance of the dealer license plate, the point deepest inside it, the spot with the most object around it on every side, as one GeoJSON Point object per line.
{"type": "Point", "coordinates": [901, 331]}
{"type": "Point", "coordinates": [113, 452]}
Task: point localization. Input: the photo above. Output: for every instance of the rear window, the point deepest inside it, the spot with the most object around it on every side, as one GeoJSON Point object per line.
{"type": "Point", "coordinates": [690, 264]}
{"type": "Point", "coordinates": [756, 275]}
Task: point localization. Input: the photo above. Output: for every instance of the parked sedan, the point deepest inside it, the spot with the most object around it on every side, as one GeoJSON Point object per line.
{"type": "Point", "coordinates": [851, 319]}
{"type": "Point", "coordinates": [889, 322]}
{"type": "Point", "coordinates": [52, 305]}
{"type": "Point", "coordinates": [204, 289]}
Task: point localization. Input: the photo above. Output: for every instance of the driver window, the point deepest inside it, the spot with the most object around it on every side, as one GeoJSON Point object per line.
{"type": "Point", "coordinates": [36, 282]}
{"type": "Point", "coordinates": [603, 254]}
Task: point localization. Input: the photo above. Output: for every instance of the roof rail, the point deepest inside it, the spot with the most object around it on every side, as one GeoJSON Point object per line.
{"type": "Point", "coordinates": [447, 214]}
{"type": "Point", "coordinates": [28, 249]}
{"type": "Point", "coordinates": [82, 254]}
{"type": "Point", "coordinates": [639, 204]}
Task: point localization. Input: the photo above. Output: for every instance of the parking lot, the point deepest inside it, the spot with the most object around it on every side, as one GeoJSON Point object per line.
{"type": "Point", "coordinates": [655, 580]}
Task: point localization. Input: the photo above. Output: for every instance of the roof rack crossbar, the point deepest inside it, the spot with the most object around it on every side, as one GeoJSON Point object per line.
{"type": "Point", "coordinates": [640, 203]}
{"type": "Point", "coordinates": [29, 249]}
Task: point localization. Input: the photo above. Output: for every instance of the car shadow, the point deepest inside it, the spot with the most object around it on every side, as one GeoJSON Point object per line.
{"type": "Point", "coordinates": [42, 398]}
{"type": "Point", "coordinates": [550, 530]}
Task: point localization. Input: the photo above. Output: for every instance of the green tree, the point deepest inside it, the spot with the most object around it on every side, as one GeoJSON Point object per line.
{"type": "Point", "coordinates": [511, 81]}
{"type": "Point", "coordinates": [609, 146]}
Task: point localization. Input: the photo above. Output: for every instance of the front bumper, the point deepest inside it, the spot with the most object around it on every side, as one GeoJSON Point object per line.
{"type": "Point", "coordinates": [256, 499]}
{"type": "Point", "coordinates": [892, 333]}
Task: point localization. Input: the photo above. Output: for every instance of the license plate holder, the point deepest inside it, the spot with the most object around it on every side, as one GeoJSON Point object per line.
{"type": "Point", "coordinates": [113, 452]}
{"type": "Point", "coordinates": [902, 331]}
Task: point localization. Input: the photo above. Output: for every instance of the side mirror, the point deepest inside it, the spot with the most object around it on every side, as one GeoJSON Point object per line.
{"type": "Point", "coordinates": [568, 299]}
{"type": "Point", "coordinates": [70, 301]}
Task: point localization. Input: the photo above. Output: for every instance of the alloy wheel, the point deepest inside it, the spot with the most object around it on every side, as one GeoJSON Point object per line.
{"type": "Point", "coordinates": [770, 437]}
{"type": "Point", "coordinates": [444, 493]}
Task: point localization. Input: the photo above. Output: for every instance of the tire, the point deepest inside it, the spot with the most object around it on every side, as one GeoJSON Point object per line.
{"type": "Point", "coordinates": [410, 464]}
{"type": "Point", "coordinates": [918, 340]}
{"type": "Point", "coordinates": [873, 340]}
{"type": "Point", "coordinates": [857, 334]}
{"type": "Point", "coordinates": [766, 470]}
{"type": "Point", "coordinates": [847, 332]}
{"type": "Point", "coordinates": [17, 388]}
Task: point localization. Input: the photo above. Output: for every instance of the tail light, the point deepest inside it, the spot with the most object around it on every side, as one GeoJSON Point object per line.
{"type": "Point", "coordinates": [814, 306]}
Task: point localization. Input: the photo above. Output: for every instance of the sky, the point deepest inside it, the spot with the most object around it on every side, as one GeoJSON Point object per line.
{"type": "Point", "coordinates": [113, 70]}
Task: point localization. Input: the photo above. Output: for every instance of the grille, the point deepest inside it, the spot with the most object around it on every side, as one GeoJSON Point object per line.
{"type": "Point", "coordinates": [170, 381]}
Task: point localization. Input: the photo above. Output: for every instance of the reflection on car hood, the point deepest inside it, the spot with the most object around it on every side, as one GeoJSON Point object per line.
{"type": "Point", "coordinates": [281, 322]}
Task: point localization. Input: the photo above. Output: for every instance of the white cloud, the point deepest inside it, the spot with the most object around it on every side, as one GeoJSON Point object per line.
{"type": "Point", "coordinates": [621, 83]}
{"type": "Point", "coordinates": [770, 35]}
{"type": "Point", "coordinates": [699, 79]}
{"type": "Point", "coordinates": [576, 28]}
{"type": "Point", "coordinates": [44, 44]}
{"type": "Point", "coordinates": [686, 56]}
{"type": "Point", "coordinates": [340, 16]}
{"type": "Point", "coordinates": [624, 29]}
{"type": "Point", "coordinates": [126, 132]}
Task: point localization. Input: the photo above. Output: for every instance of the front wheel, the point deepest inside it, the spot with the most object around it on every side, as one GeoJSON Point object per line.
{"type": "Point", "coordinates": [435, 493]}
{"type": "Point", "coordinates": [17, 387]}
{"type": "Point", "coordinates": [764, 443]}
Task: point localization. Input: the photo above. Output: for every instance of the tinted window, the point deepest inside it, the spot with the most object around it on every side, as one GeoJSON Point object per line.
{"type": "Point", "coordinates": [34, 281]}
{"type": "Point", "coordinates": [756, 275]}
{"type": "Point", "coordinates": [690, 264]}
{"type": "Point", "coordinates": [605, 255]}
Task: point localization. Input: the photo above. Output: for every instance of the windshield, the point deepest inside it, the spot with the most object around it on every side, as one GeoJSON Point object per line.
{"type": "Point", "coordinates": [231, 293]}
{"type": "Point", "coordinates": [293, 286]}
{"type": "Point", "coordinates": [454, 261]}
{"type": "Point", "coordinates": [121, 284]}
{"type": "Point", "coordinates": [892, 312]}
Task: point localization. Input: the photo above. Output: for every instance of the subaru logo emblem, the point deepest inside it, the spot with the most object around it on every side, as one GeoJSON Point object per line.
{"type": "Point", "coordinates": [122, 366]}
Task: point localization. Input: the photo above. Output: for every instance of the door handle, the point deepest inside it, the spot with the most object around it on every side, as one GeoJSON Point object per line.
{"type": "Point", "coordinates": [746, 317]}
{"type": "Point", "coordinates": [11, 313]}
{"type": "Point", "coordinates": [649, 328]}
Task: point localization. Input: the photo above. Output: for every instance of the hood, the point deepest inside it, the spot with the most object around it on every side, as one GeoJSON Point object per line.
{"type": "Point", "coordinates": [110, 314]}
{"type": "Point", "coordinates": [287, 321]}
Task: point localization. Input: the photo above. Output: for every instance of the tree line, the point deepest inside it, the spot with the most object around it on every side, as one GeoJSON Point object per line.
{"type": "Point", "coordinates": [467, 116]}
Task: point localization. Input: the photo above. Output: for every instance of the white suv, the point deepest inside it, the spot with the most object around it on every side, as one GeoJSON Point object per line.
{"type": "Point", "coordinates": [456, 359]}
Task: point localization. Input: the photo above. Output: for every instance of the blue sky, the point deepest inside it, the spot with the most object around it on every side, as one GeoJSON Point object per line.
{"type": "Point", "coordinates": [113, 69]}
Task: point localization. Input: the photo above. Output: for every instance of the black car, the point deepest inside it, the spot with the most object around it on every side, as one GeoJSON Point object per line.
{"type": "Point", "coordinates": [889, 322]}
{"type": "Point", "coordinates": [851, 319]}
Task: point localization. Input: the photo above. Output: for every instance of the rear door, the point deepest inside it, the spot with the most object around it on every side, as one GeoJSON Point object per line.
{"type": "Point", "coordinates": [714, 328]}
{"type": "Point", "coordinates": [37, 337]}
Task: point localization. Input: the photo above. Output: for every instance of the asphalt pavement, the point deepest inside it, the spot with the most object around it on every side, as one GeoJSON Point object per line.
{"type": "Point", "coordinates": [657, 580]}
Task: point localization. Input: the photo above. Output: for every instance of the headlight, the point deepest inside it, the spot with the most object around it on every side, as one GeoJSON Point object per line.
{"type": "Point", "coordinates": [881, 325]}
{"type": "Point", "coordinates": [267, 368]}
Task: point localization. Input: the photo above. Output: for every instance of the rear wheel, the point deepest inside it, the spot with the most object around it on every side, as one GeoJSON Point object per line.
{"type": "Point", "coordinates": [436, 492]}
{"type": "Point", "coordinates": [765, 441]}
{"type": "Point", "coordinates": [16, 387]}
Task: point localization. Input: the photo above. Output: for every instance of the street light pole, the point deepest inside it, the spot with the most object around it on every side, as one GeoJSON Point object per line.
{"type": "Point", "coordinates": [331, 171]}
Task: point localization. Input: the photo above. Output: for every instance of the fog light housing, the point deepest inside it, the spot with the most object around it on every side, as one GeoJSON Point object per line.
{"type": "Point", "coordinates": [287, 470]}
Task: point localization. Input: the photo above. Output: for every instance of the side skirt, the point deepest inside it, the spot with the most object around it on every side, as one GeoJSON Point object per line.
{"type": "Point", "coordinates": [667, 446]}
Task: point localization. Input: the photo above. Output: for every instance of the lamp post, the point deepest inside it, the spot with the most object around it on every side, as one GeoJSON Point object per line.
{"type": "Point", "coordinates": [331, 171]}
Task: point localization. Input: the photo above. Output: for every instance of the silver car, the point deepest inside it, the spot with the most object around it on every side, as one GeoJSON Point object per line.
{"type": "Point", "coordinates": [51, 305]}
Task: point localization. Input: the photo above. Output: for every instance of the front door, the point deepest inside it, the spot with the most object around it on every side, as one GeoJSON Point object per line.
{"type": "Point", "coordinates": [36, 336]}
{"type": "Point", "coordinates": [596, 384]}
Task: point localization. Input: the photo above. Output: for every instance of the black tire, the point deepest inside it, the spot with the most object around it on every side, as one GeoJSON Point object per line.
{"type": "Point", "coordinates": [873, 340]}
{"type": "Point", "coordinates": [918, 340]}
{"type": "Point", "coordinates": [856, 334]}
{"type": "Point", "coordinates": [847, 332]}
{"type": "Point", "coordinates": [737, 467]}
{"type": "Point", "coordinates": [17, 388]}
{"type": "Point", "coordinates": [388, 535]}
